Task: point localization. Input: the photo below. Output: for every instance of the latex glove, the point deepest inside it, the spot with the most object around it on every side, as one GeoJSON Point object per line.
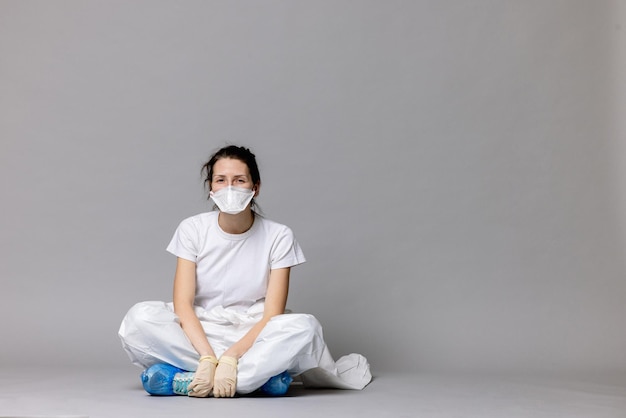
{"type": "Point", "coordinates": [225, 378]}
{"type": "Point", "coordinates": [202, 383]}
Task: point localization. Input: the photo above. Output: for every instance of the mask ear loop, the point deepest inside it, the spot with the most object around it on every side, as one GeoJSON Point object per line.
{"type": "Point", "coordinates": [256, 209]}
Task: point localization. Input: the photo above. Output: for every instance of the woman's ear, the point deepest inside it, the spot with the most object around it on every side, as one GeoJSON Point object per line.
{"type": "Point", "coordinates": [256, 189]}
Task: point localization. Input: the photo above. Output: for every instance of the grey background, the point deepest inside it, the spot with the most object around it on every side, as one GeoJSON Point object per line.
{"type": "Point", "coordinates": [452, 169]}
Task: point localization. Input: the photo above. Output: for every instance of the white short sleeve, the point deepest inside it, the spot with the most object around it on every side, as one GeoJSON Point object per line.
{"type": "Point", "coordinates": [184, 243]}
{"type": "Point", "coordinates": [286, 251]}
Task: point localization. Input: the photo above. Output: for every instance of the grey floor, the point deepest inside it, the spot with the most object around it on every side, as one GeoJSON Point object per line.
{"type": "Point", "coordinates": [117, 393]}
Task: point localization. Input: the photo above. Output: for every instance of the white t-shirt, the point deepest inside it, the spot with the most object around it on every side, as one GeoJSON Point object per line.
{"type": "Point", "coordinates": [232, 270]}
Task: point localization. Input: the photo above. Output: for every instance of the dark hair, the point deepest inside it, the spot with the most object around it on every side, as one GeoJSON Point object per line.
{"type": "Point", "coordinates": [242, 154]}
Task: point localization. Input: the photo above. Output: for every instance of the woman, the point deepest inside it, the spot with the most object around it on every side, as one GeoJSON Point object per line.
{"type": "Point", "coordinates": [230, 293]}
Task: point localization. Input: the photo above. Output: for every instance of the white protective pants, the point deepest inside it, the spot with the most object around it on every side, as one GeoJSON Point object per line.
{"type": "Point", "coordinates": [151, 333]}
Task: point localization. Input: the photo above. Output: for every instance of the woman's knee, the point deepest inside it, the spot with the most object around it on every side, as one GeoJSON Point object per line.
{"type": "Point", "coordinates": [146, 313]}
{"type": "Point", "coordinates": [299, 323]}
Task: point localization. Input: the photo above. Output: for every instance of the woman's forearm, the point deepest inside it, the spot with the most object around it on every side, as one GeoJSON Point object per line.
{"type": "Point", "coordinates": [184, 296]}
{"type": "Point", "coordinates": [192, 327]}
{"type": "Point", "coordinates": [242, 346]}
{"type": "Point", "coordinates": [275, 302]}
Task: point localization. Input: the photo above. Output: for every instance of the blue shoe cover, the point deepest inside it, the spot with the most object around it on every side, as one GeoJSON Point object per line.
{"type": "Point", "coordinates": [277, 385]}
{"type": "Point", "coordinates": [157, 379]}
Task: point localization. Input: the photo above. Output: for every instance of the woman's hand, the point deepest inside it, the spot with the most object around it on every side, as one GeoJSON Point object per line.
{"type": "Point", "coordinates": [225, 378]}
{"type": "Point", "coordinates": [202, 383]}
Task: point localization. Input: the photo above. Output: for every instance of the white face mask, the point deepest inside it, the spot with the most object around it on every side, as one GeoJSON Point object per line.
{"type": "Point", "coordinates": [232, 200]}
